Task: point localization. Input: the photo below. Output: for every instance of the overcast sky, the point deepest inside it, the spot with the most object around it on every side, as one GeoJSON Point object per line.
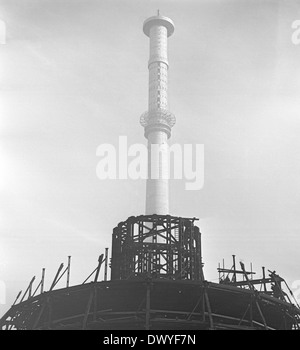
{"type": "Point", "coordinates": [74, 76]}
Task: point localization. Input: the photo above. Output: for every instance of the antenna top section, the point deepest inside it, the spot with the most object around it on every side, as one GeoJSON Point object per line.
{"type": "Point", "coordinates": [158, 20]}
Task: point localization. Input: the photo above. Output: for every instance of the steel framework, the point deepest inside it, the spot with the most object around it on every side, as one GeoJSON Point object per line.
{"type": "Point", "coordinates": [157, 283]}
{"type": "Point", "coordinates": [161, 246]}
{"type": "Point", "coordinates": [151, 304]}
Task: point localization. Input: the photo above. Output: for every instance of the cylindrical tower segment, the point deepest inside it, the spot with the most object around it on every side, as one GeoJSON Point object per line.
{"type": "Point", "coordinates": [158, 121]}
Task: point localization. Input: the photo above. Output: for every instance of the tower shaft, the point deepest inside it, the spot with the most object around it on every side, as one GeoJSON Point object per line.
{"type": "Point", "coordinates": [158, 68]}
{"type": "Point", "coordinates": [158, 121]}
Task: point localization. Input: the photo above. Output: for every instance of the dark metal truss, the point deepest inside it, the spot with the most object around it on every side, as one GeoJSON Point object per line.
{"type": "Point", "coordinates": [36, 313]}
{"type": "Point", "coordinates": [161, 246]}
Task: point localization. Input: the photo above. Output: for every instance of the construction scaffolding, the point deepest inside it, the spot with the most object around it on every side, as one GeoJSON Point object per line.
{"type": "Point", "coordinates": [160, 246]}
{"type": "Point", "coordinates": [157, 283]}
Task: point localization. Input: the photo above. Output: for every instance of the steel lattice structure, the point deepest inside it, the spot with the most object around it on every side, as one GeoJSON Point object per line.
{"type": "Point", "coordinates": [156, 283]}
{"type": "Point", "coordinates": [157, 245]}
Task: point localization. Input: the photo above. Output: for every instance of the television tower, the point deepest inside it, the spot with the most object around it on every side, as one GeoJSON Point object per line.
{"type": "Point", "coordinates": [158, 120]}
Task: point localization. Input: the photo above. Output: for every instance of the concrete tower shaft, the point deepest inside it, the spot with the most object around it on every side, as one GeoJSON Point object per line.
{"type": "Point", "coordinates": [158, 121]}
{"type": "Point", "coordinates": [158, 68]}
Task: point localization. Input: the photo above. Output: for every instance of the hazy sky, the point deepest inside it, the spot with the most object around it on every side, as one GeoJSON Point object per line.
{"type": "Point", "coordinates": [74, 76]}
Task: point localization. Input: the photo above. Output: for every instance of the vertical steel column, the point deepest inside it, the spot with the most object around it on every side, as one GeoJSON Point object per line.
{"type": "Point", "coordinates": [43, 280]}
{"type": "Point", "coordinates": [148, 304]}
{"type": "Point", "coordinates": [234, 269]}
{"type": "Point", "coordinates": [106, 262]}
{"type": "Point", "coordinates": [68, 271]}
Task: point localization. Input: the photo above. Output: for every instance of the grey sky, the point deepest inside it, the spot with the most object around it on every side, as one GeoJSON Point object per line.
{"type": "Point", "coordinates": [74, 75]}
